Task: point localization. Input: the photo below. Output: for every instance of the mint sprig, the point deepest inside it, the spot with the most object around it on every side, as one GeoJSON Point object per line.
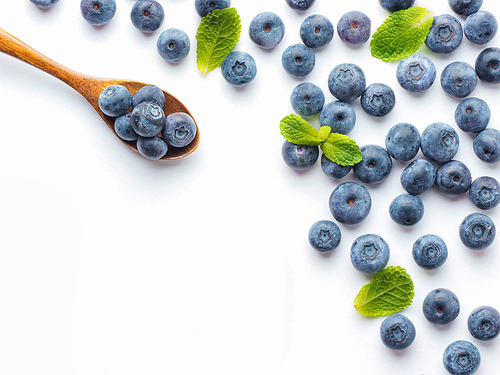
{"type": "Point", "coordinates": [389, 291]}
{"type": "Point", "coordinates": [338, 148]}
{"type": "Point", "coordinates": [401, 34]}
{"type": "Point", "coordinates": [218, 33]}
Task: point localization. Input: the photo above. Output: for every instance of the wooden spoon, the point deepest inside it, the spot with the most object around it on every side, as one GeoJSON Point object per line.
{"type": "Point", "coordinates": [90, 88]}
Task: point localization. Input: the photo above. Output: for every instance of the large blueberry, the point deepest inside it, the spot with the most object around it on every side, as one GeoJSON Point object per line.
{"type": "Point", "coordinates": [418, 177]}
{"type": "Point", "coordinates": [402, 141]}
{"type": "Point", "coordinates": [375, 165]}
{"type": "Point", "coordinates": [339, 116]}
{"type": "Point", "coordinates": [488, 65]}
{"type": "Point", "coordinates": [300, 5]}
{"type": "Point", "coordinates": [484, 192]}
{"type": "Point", "coordinates": [115, 100]}
{"type": "Point", "coordinates": [461, 358]}
{"type": "Point", "coordinates": [152, 148]}
{"type": "Point", "coordinates": [445, 34]}
{"type": "Point", "coordinates": [406, 209]}
{"type": "Point", "coordinates": [266, 30]}
{"type": "Point", "coordinates": [347, 82]}
{"type": "Point", "coordinates": [395, 5]}
{"type": "Point", "coordinates": [239, 68]}
{"type": "Point", "coordinates": [484, 323]}
{"type": "Point", "coordinates": [179, 130]}
{"type": "Point", "coordinates": [307, 99]}
{"type": "Point", "coordinates": [370, 253]}
{"type": "Point", "coordinates": [173, 45]}
{"type": "Point", "coordinates": [477, 231]}
{"type": "Point", "coordinates": [148, 119]}
{"type": "Point", "coordinates": [439, 142]}
{"type": "Point", "coordinates": [324, 236]}
{"type": "Point", "coordinates": [350, 203]}
{"type": "Point", "coordinates": [298, 60]}
{"type": "Point", "coordinates": [397, 332]}
{"type": "Point", "coordinates": [147, 15]}
{"type": "Point", "coordinates": [416, 73]}
{"type": "Point", "coordinates": [149, 93]}
{"type": "Point", "coordinates": [98, 12]}
{"type": "Point", "coordinates": [203, 7]}
{"type": "Point", "coordinates": [458, 79]}
{"type": "Point", "coordinates": [123, 128]}
{"type": "Point", "coordinates": [453, 178]}
{"type": "Point", "coordinates": [465, 7]}
{"type": "Point", "coordinates": [44, 4]}
{"type": "Point", "coordinates": [354, 28]}
{"type": "Point", "coordinates": [486, 145]}
{"type": "Point", "coordinates": [472, 115]}
{"type": "Point", "coordinates": [316, 31]}
{"type": "Point", "coordinates": [378, 99]}
{"type": "Point", "coordinates": [441, 306]}
{"type": "Point", "coordinates": [430, 251]}
{"type": "Point", "coordinates": [299, 157]}
{"type": "Point", "coordinates": [334, 170]}
{"type": "Point", "coordinates": [480, 27]}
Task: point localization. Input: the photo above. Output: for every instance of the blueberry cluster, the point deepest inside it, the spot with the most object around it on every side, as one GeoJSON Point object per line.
{"type": "Point", "coordinates": [140, 118]}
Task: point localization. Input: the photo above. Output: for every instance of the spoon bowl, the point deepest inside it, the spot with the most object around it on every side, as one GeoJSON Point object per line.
{"type": "Point", "coordinates": [90, 88]}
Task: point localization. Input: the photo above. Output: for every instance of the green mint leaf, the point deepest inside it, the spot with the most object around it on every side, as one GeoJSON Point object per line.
{"type": "Point", "coordinates": [324, 132]}
{"type": "Point", "coordinates": [389, 291]}
{"type": "Point", "coordinates": [218, 33]}
{"type": "Point", "coordinates": [401, 34]}
{"type": "Point", "coordinates": [341, 149]}
{"type": "Point", "coordinates": [297, 130]}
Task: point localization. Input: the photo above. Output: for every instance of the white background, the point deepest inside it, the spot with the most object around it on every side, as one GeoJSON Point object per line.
{"type": "Point", "coordinates": [111, 264]}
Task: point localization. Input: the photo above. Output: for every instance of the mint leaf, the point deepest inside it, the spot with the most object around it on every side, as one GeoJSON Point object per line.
{"type": "Point", "coordinates": [401, 34]}
{"type": "Point", "coordinates": [218, 33]}
{"type": "Point", "coordinates": [341, 149]}
{"type": "Point", "coordinates": [389, 291]}
{"type": "Point", "coordinates": [297, 130]}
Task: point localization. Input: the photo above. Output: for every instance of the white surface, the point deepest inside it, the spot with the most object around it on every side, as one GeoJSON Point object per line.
{"type": "Point", "coordinates": [111, 264]}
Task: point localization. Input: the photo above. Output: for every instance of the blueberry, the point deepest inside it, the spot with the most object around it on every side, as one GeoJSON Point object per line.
{"type": "Point", "coordinates": [316, 31]}
{"type": "Point", "coordinates": [148, 119]}
{"type": "Point", "coordinates": [402, 141]}
{"type": "Point", "coordinates": [149, 93]}
{"type": "Point", "coordinates": [350, 203]}
{"type": "Point", "coordinates": [298, 60]}
{"type": "Point", "coordinates": [418, 177]}
{"type": "Point", "coordinates": [472, 115]}
{"type": "Point", "coordinates": [347, 82]}
{"type": "Point", "coordinates": [378, 99]}
{"type": "Point", "coordinates": [307, 99]}
{"type": "Point", "coordinates": [416, 73]}
{"type": "Point", "coordinates": [152, 148]}
{"type": "Point", "coordinates": [453, 178]}
{"type": "Point", "coordinates": [115, 100]}
{"type": "Point", "coordinates": [370, 253]}
{"type": "Point", "coordinates": [203, 7]}
{"type": "Point", "coordinates": [441, 306]}
{"type": "Point", "coordinates": [484, 323]}
{"type": "Point", "coordinates": [461, 358]}
{"type": "Point", "coordinates": [173, 45]}
{"type": "Point", "coordinates": [266, 30]}
{"type": "Point", "coordinates": [375, 165]}
{"type": "Point", "coordinates": [324, 236]}
{"type": "Point", "coordinates": [458, 79]}
{"type": "Point", "coordinates": [477, 231]}
{"type": "Point", "coordinates": [147, 15]}
{"type": "Point", "coordinates": [395, 5]}
{"type": "Point", "coordinates": [354, 28]}
{"type": "Point", "coordinates": [44, 4]}
{"type": "Point", "coordinates": [179, 130]}
{"type": "Point", "coordinates": [239, 68]}
{"type": "Point", "coordinates": [123, 128]}
{"type": "Point", "coordinates": [486, 145]}
{"type": "Point", "coordinates": [98, 12]}
{"type": "Point", "coordinates": [339, 116]}
{"type": "Point", "coordinates": [430, 251]}
{"type": "Point", "coordinates": [406, 209]}
{"type": "Point", "coordinates": [334, 170]}
{"type": "Point", "coordinates": [439, 142]}
{"type": "Point", "coordinates": [480, 27]}
{"type": "Point", "coordinates": [484, 192]}
{"type": "Point", "coordinates": [299, 157]}
{"type": "Point", "coordinates": [445, 34]}
{"type": "Point", "coordinates": [465, 7]}
{"type": "Point", "coordinates": [397, 332]}
{"type": "Point", "coordinates": [488, 65]}
{"type": "Point", "coordinates": [300, 5]}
